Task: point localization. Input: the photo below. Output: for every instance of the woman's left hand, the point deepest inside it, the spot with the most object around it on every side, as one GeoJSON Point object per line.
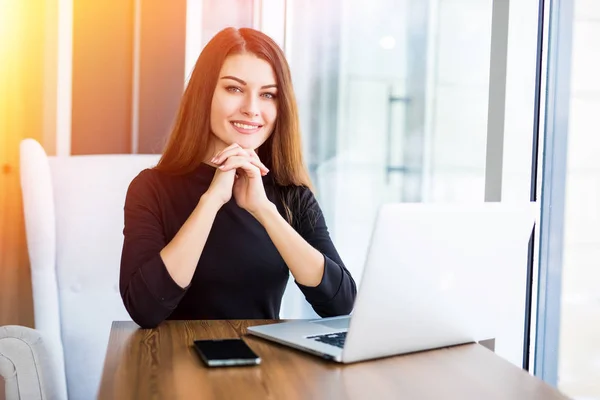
{"type": "Point", "coordinates": [248, 189]}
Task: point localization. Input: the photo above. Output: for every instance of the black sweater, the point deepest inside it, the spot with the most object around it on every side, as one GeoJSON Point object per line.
{"type": "Point", "coordinates": [240, 274]}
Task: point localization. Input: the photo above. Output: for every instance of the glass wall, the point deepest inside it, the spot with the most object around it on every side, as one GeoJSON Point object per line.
{"type": "Point", "coordinates": [393, 103]}
{"type": "Point", "coordinates": [579, 343]}
{"type": "Point", "coordinates": [218, 14]}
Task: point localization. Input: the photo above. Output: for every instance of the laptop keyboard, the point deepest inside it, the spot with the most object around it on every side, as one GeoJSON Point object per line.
{"type": "Point", "coordinates": [335, 339]}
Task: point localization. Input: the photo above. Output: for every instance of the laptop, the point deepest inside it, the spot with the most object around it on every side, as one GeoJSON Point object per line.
{"type": "Point", "coordinates": [430, 268]}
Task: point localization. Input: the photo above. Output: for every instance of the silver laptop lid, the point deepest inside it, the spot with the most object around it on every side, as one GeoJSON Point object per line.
{"type": "Point", "coordinates": [431, 275]}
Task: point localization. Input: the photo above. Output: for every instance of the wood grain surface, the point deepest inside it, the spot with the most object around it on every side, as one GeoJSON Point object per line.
{"type": "Point", "coordinates": [162, 364]}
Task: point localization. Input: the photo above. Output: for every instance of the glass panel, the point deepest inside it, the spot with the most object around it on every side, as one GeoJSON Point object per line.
{"type": "Point", "coordinates": [393, 101]}
{"type": "Point", "coordinates": [219, 14]}
{"type": "Point", "coordinates": [579, 353]}
{"type": "Point", "coordinates": [393, 106]}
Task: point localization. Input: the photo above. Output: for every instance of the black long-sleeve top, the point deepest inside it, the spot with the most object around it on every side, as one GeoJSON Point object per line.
{"type": "Point", "coordinates": [240, 274]}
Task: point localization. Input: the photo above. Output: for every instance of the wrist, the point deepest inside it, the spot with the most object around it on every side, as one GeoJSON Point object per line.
{"type": "Point", "coordinates": [266, 211]}
{"type": "Point", "coordinates": [210, 201]}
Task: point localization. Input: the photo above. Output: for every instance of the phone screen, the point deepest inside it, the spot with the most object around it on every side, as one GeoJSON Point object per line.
{"type": "Point", "coordinates": [225, 352]}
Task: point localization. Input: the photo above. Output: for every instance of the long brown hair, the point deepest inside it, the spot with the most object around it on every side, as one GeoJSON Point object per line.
{"type": "Point", "coordinates": [190, 137]}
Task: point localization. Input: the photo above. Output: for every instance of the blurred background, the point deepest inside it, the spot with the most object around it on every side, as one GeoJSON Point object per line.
{"type": "Point", "coordinates": [400, 100]}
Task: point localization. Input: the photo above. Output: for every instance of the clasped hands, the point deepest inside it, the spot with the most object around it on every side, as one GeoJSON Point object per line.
{"type": "Point", "coordinates": [239, 173]}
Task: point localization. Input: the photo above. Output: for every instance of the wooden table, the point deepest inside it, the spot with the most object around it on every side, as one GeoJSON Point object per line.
{"type": "Point", "coordinates": [2, 388]}
{"type": "Point", "coordinates": [161, 364]}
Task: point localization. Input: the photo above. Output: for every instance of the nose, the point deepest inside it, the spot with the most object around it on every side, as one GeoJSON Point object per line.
{"type": "Point", "coordinates": [250, 107]}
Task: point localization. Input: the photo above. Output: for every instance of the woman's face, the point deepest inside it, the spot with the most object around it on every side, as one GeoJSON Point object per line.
{"type": "Point", "coordinates": [244, 105]}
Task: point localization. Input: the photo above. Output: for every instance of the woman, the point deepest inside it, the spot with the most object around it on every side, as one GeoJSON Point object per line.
{"type": "Point", "coordinates": [213, 231]}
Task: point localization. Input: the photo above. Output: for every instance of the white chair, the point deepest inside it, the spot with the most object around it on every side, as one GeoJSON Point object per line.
{"type": "Point", "coordinates": [74, 224]}
{"type": "Point", "coordinates": [25, 366]}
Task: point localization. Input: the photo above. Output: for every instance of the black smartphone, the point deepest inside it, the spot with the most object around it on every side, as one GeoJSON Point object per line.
{"type": "Point", "coordinates": [225, 352]}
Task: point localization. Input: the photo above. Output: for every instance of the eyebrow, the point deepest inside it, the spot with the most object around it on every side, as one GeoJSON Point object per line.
{"type": "Point", "coordinates": [244, 83]}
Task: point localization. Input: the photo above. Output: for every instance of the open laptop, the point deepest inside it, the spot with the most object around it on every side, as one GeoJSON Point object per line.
{"type": "Point", "coordinates": [429, 271]}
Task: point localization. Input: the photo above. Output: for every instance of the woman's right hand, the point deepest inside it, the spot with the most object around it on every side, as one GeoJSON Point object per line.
{"type": "Point", "coordinates": [221, 187]}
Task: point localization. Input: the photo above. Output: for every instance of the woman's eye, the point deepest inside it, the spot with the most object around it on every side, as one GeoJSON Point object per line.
{"type": "Point", "coordinates": [233, 89]}
{"type": "Point", "coordinates": [269, 96]}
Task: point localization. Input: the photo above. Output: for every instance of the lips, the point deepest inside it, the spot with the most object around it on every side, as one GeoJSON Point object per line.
{"type": "Point", "coordinates": [245, 127]}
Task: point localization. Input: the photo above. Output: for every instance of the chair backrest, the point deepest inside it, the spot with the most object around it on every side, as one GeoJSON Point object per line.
{"type": "Point", "coordinates": [74, 224]}
{"type": "Point", "coordinates": [25, 366]}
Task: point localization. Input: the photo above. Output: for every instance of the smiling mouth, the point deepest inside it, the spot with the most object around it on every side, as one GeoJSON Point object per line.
{"type": "Point", "coordinates": [246, 128]}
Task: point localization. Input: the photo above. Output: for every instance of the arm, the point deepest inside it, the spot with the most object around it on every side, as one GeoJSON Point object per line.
{"type": "Point", "coordinates": [311, 256]}
{"type": "Point", "coordinates": [155, 274]}
{"type": "Point", "coordinates": [182, 253]}
{"type": "Point", "coordinates": [305, 262]}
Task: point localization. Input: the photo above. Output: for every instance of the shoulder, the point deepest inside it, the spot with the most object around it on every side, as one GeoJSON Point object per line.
{"type": "Point", "coordinates": [302, 204]}
{"type": "Point", "coordinates": [307, 216]}
{"type": "Point", "coordinates": [152, 177]}
{"type": "Point", "coordinates": [144, 181]}
{"type": "Point", "coordinates": [298, 197]}
{"type": "Point", "coordinates": [147, 185]}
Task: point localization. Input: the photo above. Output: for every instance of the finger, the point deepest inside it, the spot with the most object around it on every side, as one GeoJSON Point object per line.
{"type": "Point", "coordinates": [237, 162]}
{"type": "Point", "coordinates": [231, 146]}
{"type": "Point", "coordinates": [241, 163]}
{"type": "Point", "coordinates": [253, 154]}
{"type": "Point", "coordinates": [239, 152]}
{"type": "Point", "coordinates": [225, 154]}
{"type": "Point", "coordinates": [256, 160]}
{"type": "Point", "coordinates": [228, 148]}
{"type": "Point", "coordinates": [263, 169]}
{"type": "Point", "coordinates": [228, 151]}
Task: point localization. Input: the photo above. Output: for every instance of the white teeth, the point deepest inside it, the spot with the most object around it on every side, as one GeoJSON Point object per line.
{"type": "Point", "coordinates": [244, 126]}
